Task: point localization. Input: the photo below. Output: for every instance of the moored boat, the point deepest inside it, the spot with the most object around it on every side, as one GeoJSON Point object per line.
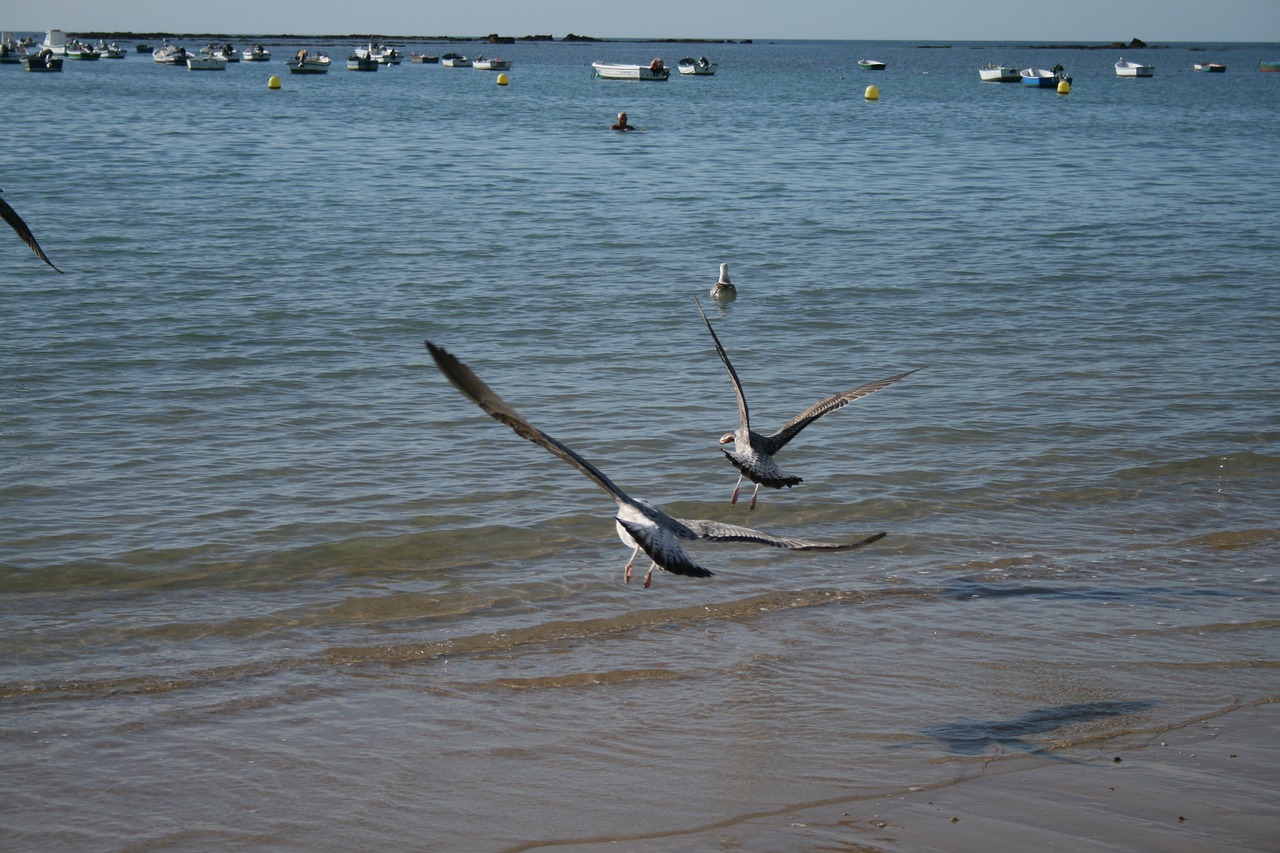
{"type": "Point", "coordinates": [1217, 67]}
{"type": "Point", "coordinates": [1047, 78]}
{"type": "Point", "coordinates": [1134, 69]}
{"type": "Point", "coordinates": [454, 60]}
{"type": "Point", "coordinates": [1264, 65]}
{"type": "Point", "coordinates": [481, 63]}
{"type": "Point", "coordinates": [424, 59]}
{"type": "Point", "coordinates": [379, 53]}
{"type": "Point", "coordinates": [992, 73]}
{"type": "Point", "coordinates": [109, 51]}
{"type": "Point", "coordinates": [42, 61]}
{"type": "Point", "coordinates": [55, 41]}
{"type": "Point", "coordinates": [257, 53]}
{"type": "Point", "coordinates": [12, 51]}
{"type": "Point", "coordinates": [170, 54]}
{"type": "Point", "coordinates": [388, 55]}
{"type": "Point", "coordinates": [206, 62]}
{"type": "Point", "coordinates": [304, 62]}
{"type": "Point", "coordinates": [700, 67]}
{"type": "Point", "coordinates": [77, 49]}
{"type": "Point", "coordinates": [871, 65]}
{"type": "Point", "coordinates": [356, 62]}
{"type": "Point", "coordinates": [226, 52]}
{"type": "Point", "coordinates": [655, 70]}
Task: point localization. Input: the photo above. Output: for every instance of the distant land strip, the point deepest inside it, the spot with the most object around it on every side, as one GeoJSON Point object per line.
{"type": "Point", "coordinates": [492, 38]}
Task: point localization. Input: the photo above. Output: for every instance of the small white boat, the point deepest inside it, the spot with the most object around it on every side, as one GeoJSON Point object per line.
{"type": "Point", "coordinates": [455, 60]}
{"type": "Point", "coordinates": [79, 50]}
{"type": "Point", "coordinates": [1217, 67]}
{"type": "Point", "coordinates": [380, 53]}
{"type": "Point", "coordinates": [305, 62]}
{"type": "Point", "coordinates": [870, 64]}
{"type": "Point", "coordinates": [356, 62]}
{"type": "Point", "coordinates": [388, 55]}
{"type": "Point", "coordinates": [226, 52]}
{"type": "Point", "coordinates": [992, 73]}
{"type": "Point", "coordinates": [655, 70]}
{"type": "Point", "coordinates": [1134, 69]}
{"type": "Point", "coordinates": [700, 67]}
{"type": "Point", "coordinates": [170, 54]}
{"type": "Point", "coordinates": [206, 62]}
{"type": "Point", "coordinates": [490, 64]}
{"type": "Point", "coordinates": [424, 59]}
{"type": "Point", "coordinates": [257, 53]}
{"type": "Point", "coordinates": [109, 51]}
{"type": "Point", "coordinates": [55, 41]}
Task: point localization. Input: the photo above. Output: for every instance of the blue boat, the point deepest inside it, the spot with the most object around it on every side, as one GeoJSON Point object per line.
{"type": "Point", "coordinates": [1045, 78]}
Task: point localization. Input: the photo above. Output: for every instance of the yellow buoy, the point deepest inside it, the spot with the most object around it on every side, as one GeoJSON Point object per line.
{"type": "Point", "coordinates": [872, 93]}
{"type": "Point", "coordinates": [502, 80]}
{"type": "Point", "coordinates": [273, 83]}
{"type": "Point", "coordinates": [1063, 87]}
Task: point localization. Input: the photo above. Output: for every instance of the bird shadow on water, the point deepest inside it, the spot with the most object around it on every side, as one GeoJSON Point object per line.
{"type": "Point", "coordinates": [966, 736]}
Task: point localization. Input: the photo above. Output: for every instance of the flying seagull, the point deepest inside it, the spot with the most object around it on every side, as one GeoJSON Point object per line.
{"type": "Point", "coordinates": [752, 452]}
{"type": "Point", "coordinates": [640, 525]}
{"type": "Point", "coordinates": [15, 221]}
{"type": "Point", "coordinates": [723, 289]}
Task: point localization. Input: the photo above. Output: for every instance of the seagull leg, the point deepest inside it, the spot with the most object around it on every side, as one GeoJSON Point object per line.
{"type": "Point", "coordinates": [754, 495]}
{"type": "Point", "coordinates": [733, 499]}
{"type": "Point", "coordinates": [648, 576]}
{"type": "Point", "coordinates": [626, 573]}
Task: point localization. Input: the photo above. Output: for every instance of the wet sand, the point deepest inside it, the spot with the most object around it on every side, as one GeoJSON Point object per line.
{"type": "Point", "coordinates": [1211, 785]}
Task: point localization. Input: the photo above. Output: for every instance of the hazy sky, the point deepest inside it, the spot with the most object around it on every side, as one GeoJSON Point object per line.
{"type": "Point", "coordinates": [1154, 21]}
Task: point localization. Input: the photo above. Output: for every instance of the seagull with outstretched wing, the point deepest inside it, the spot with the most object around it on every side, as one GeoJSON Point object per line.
{"type": "Point", "coordinates": [8, 214]}
{"type": "Point", "coordinates": [640, 525]}
{"type": "Point", "coordinates": [753, 452]}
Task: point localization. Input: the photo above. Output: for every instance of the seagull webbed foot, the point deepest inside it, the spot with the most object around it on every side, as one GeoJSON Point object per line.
{"type": "Point", "coordinates": [733, 499]}
{"type": "Point", "coordinates": [626, 572]}
{"type": "Point", "coordinates": [648, 576]}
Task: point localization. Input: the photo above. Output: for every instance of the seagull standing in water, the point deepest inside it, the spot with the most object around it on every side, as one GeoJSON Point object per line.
{"type": "Point", "coordinates": [723, 289]}
{"type": "Point", "coordinates": [752, 452]}
{"type": "Point", "coordinates": [15, 222]}
{"type": "Point", "coordinates": [640, 525]}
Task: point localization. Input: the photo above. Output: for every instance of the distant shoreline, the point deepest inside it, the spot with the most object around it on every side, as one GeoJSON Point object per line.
{"type": "Point", "coordinates": [494, 38]}
{"type": "Point", "coordinates": [382, 37]}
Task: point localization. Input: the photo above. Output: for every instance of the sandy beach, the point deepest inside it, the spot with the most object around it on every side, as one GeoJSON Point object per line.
{"type": "Point", "coordinates": [1211, 785]}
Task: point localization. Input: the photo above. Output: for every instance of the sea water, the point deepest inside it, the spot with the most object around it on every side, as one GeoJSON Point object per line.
{"type": "Point", "coordinates": [268, 581]}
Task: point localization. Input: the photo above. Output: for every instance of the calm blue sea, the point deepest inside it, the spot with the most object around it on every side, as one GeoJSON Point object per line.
{"type": "Point", "coordinates": [267, 581]}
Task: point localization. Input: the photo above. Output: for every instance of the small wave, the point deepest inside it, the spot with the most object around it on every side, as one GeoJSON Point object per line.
{"type": "Point", "coordinates": [583, 679]}
{"type": "Point", "coordinates": [542, 635]}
